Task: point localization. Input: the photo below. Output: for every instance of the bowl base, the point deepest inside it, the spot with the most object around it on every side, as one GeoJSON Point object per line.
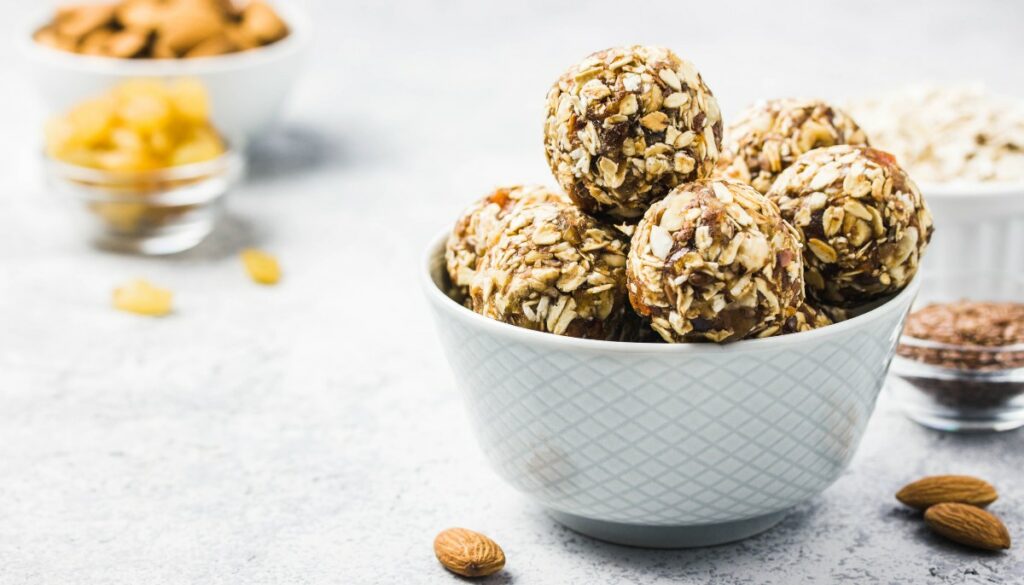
{"type": "Point", "coordinates": [958, 424]}
{"type": "Point", "coordinates": [647, 536]}
{"type": "Point", "coordinates": [167, 241]}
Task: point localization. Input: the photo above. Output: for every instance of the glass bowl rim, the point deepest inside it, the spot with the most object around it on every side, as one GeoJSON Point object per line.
{"type": "Point", "coordinates": [229, 160]}
{"type": "Point", "coordinates": [912, 341]}
{"type": "Point", "coordinates": [924, 299]}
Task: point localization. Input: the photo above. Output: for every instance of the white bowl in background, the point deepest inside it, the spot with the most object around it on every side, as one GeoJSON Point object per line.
{"type": "Point", "coordinates": [247, 89]}
{"type": "Point", "coordinates": [663, 445]}
{"type": "Point", "coordinates": [979, 227]}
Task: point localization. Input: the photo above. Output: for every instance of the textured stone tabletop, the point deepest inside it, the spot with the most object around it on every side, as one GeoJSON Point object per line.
{"type": "Point", "coordinates": [311, 432]}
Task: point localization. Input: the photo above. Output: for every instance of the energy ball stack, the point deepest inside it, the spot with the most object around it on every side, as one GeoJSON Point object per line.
{"type": "Point", "coordinates": [798, 225]}
{"type": "Point", "coordinates": [626, 125]}
{"type": "Point", "coordinates": [480, 226]}
{"type": "Point", "coordinates": [714, 261]}
{"type": "Point", "coordinates": [863, 223]}
{"type": "Point", "coordinates": [554, 269]}
{"type": "Point", "coordinates": [770, 135]}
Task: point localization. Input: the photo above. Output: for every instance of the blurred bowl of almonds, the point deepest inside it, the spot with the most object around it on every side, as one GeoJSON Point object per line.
{"type": "Point", "coordinates": [247, 54]}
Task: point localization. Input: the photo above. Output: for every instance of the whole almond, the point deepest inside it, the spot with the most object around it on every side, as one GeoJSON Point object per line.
{"type": "Point", "coordinates": [78, 21]}
{"type": "Point", "coordinates": [215, 45]}
{"type": "Point", "coordinates": [939, 489]}
{"type": "Point", "coordinates": [968, 525]}
{"type": "Point", "coordinates": [186, 24]}
{"type": "Point", "coordinates": [126, 43]}
{"type": "Point", "coordinates": [468, 553]}
{"type": "Point", "coordinates": [259, 21]}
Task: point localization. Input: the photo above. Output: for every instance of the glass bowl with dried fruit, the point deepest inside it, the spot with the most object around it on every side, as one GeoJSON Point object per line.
{"type": "Point", "coordinates": [960, 361]}
{"type": "Point", "coordinates": [162, 211]}
{"type": "Point", "coordinates": [143, 166]}
{"type": "Point", "coordinates": [248, 57]}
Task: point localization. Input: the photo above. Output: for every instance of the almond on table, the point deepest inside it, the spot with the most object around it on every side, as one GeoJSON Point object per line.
{"type": "Point", "coordinates": [968, 525]}
{"type": "Point", "coordinates": [142, 298]}
{"type": "Point", "coordinates": [941, 489]}
{"type": "Point", "coordinates": [468, 553]}
{"type": "Point", "coordinates": [262, 267]}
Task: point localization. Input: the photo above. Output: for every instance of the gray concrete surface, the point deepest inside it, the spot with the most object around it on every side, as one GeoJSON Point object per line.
{"type": "Point", "coordinates": [310, 433]}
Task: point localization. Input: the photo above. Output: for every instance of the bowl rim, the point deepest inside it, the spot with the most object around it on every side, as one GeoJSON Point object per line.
{"type": "Point", "coordinates": [934, 280]}
{"type": "Point", "coordinates": [231, 159]}
{"type": "Point", "coordinates": [169, 186]}
{"type": "Point", "coordinates": [898, 302]}
{"type": "Point", "coordinates": [919, 342]}
{"type": "Point", "coordinates": [297, 19]}
{"type": "Point", "coordinates": [971, 189]}
{"type": "Point", "coordinates": [907, 367]}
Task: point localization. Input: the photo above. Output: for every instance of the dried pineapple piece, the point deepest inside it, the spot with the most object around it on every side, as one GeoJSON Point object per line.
{"type": "Point", "coordinates": [188, 96]}
{"type": "Point", "coordinates": [262, 267]}
{"type": "Point", "coordinates": [144, 112]}
{"type": "Point", "coordinates": [87, 124]}
{"type": "Point", "coordinates": [201, 145]}
{"type": "Point", "coordinates": [142, 298]}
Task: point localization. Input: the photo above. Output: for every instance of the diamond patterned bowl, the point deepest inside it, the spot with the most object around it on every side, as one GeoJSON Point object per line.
{"type": "Point", "coordinates": [665, 445]}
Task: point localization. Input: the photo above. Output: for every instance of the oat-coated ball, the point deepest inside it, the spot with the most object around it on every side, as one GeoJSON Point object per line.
{"type": "Point", "coordinates": [480, 225]}
{"type": "Point", "coordinates": [628, 124]}
{"type": "Point", "coordinates": [714, 261]}
{"type": "Point", "coordinates": [770, 135]}
{"type": "Point", "coordinates": [806, 318]}
{"type": "Point", "coordinates": [554, 269]}
{"type": "Point", "coordinates": [863, 222]}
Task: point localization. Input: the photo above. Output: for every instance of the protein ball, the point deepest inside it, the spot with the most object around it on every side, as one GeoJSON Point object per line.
{"type": "Point", "coordinates": [862, 220]}
{"type": "Point", "coordinates": [770, 135]}
{"type": "Point", "coordinates": [626, 125]}
{"type": "Point", "coordinates": [806, 318]}
{"type": "Point", "coordinates": [554, 269]}
{"type": "Point", "coordinates": [480, 225]}
{"type": "Point", "coordinates": [714, 261]}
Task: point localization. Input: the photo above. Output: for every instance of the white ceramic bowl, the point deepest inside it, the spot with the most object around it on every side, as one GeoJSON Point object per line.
{"type": "Point", "coordinates": [663, 445]}
{"type": "Point", "coordinates": [246, 89]}
{"type": "Point", "coordinates": [980, 227]}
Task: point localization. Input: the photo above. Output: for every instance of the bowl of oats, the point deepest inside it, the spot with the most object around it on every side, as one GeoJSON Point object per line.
{"type": "Point", "coordinates": [964, 146]}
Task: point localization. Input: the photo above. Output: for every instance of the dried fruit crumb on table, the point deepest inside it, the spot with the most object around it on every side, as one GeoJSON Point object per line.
{"type": "Point", "coordinates": [142, 298]}
{"type": "Point", "coordinates": [261, 266]}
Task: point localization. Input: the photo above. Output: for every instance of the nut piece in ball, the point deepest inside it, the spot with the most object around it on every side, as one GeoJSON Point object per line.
{"type": "Point", "coordinates": [714, 261]}
{"type": "Point", "coordinates": [770, 135]}
{"type": "Point", "coordinates": [628, 124]}
{"type": "Point", "coordinates": [480, 225]}
{"type": "Point", "coordinates": [554, 269]}
{"type": "Point", "coordinates": [863, 223]}
{"type": "Point", "coordinates": [806, 318]}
